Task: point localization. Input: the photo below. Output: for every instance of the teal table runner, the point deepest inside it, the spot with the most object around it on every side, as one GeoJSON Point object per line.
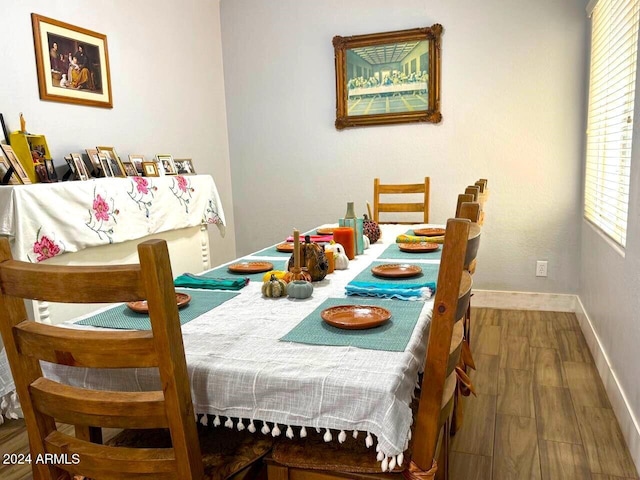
{"type": "Point", "coordinates": [223, 271]}
{"type": "Point", "coordinates": [429, 274]}
{"type": "Point", "coordinates": [123, 317]}
{"type": "Point", "coordinates": [393, 252]}
{"type": "Point", "coordinates": [393, 336]}
{"type": "Point", "coordinates": [272, 252]}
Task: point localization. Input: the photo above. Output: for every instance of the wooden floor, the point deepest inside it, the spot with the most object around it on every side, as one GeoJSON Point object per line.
{"type": "Point", "coordinates": [541, 410]}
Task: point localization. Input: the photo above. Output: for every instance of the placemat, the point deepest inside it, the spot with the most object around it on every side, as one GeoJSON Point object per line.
{"type": "Point", "coordinates": [429, 274]}
{"type": "Point", "coordinates": [393, 336]}
{"type": "Point", "coordinates": [393, 252]}
{"type": "Point", "coordinates": [123, 317]}
{"type": "Point", "coordinates": [256, 277]}
{"type": "Point", "coordinates": [272, 252]}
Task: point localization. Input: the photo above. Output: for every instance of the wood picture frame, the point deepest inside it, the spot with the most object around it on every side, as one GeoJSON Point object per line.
{"type": "Point", "coordinates": [184, 166]}
{"type": "Point", "coordinates": [117, 169]}
{"type": "Point", "coordinates": [105, 164]}
{"type": "Point", "coordinates": [130, 169]}
{"type": "Point", "coordinates": [51, 170]}
{"type": "Point", "coordinates": [94, 160]}
{"type": "Point", "coordinates": [73, 170]}
{"type": "Point", "coordinates": [15, 163]}
{"type": "Point", "coordinates": [387, 78]}
{"type": "Point", "coordinates": [4, 170]}
{"type": "Point", "coordinates": [150, 169]}
{"type": "Point", "coordinates": [137, 161]}
{"type": "Point", "coordinates": [167, 164]}
{"type": "Point", "coordinates": [83, 81]}
{"type": "Point", "coordinates": [81, 168]}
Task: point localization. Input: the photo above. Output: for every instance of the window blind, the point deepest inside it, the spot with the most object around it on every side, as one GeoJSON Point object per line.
{"type": "Point", "coordinates": [614, 49]}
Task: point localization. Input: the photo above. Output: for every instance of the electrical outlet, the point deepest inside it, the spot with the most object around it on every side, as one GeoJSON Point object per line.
{"type": "Point", "coordinates": [541, 268]}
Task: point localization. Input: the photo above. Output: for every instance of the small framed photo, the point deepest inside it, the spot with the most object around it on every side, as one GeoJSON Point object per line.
{"type": "Point", "coordinates": [51, 170]}
{"type": "Point", "coordinates": [137, 161]}
{"type": "Point", "coordinates": [41, 172]}
{"type": "Point", "coordinates": [114, 161]}
{"type": "Point", "coordinates": [184, 166]}
{"type": "Point", "coordinates": [150, 169]}
{"type": "Point", "coordinates": [168, 165]}
{"type": "Point", "coordinates": [105, 164]}
{"type": "Point", "coordinates": [4, 169]}
{"type": "Point", "coordinates": [73, 170]}
{"type": "Point", "coordinates": [130, 169]}
{"type": "Point", "coordinates": [92, 153]}
{"type": "Point", "coordinates": [15, 163]}
{"type": "Point", "coordinates": [81, 168]}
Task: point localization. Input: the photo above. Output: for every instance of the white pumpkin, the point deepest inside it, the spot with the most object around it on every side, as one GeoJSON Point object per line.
{"type": "Point", "coordinates": [366, 241]}
{"type": "Point", "coordinates": [340, 259]}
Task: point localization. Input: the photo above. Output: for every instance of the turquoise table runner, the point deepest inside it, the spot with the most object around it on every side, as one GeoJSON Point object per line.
{"type": "Point", "coordinates": [223, 271]}
{"type": "Point", "coordinates": [429, 274]}
{"type": "Point", "coordinates": [393, 252]}
{"type": "Point", "coordinates": [123, 317]}
{"type": "Point", "coordinates": [393, 336]}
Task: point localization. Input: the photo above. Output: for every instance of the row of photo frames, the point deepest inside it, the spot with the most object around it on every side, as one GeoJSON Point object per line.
{"type": "Point", "coordinates": [11, 170]}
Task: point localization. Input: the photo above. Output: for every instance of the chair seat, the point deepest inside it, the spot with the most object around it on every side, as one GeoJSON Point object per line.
{"type": "Point", "coordinates": [226, 453]}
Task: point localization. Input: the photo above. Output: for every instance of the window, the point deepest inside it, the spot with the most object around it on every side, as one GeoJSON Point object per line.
{"type": "Point", "coordinates": [614, 45]}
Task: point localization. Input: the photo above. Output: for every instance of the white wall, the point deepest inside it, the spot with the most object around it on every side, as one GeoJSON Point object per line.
{"type": "Point", "coordinates": [512, 105]}
{"type": "Point", "coordinates": [167, 84]}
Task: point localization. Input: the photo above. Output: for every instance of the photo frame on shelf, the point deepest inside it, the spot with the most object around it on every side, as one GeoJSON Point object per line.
{"type": "Point", "coordinates": [184, 166]}
{"type": "Point", "coordinates": [167, 163]}
{"type": "Point", "coordinates": [41, 172]}
{"type": "Point", "coordinates": [81, 168]}
{"type": "Point", "coordinates": [114, 161]}
{"type": "Point", "coordinates": [72, 63]}
{"type": "Point", "coordinates": [72, 174]}
{"type": "Point", "coordinates": [150, 169]}
{"type": "Point", "coordinates": [105, 164]}
{"type": "Point", "coordinates": [137, 161]}
{"type": "Point", "coordinates": [130, 169]}
{"type": "Point", "coordinates": [15, 163]}
{"type": "Point", "coordinates": [5, 177]}
{"type": "Point", "coordinates": [92, 153]}
{"type": "Point", "coordinates": [387, 78]}
{"type": "Point", "coordinates": [51, 170]}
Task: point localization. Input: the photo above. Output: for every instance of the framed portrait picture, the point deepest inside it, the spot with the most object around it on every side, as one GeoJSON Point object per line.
{"type": "Point", "coordinates": [114, 161]}
{"type": "Point", "coordinates": [4, 170]}
{"type": "Point", "coordinates": [385, 78]}
{"type": "Point", "coordinates": [105, 164]}
{"type": "Point", "coordinates": [184, 166]}
{"type": "Point", "coordinates": [96, 168]}
{"type": "Point", "coordinates": [72, 63]}
{"type": "Point", "coordinates": [167, 163]}
{"type": "Point", "coordinates": [150, 169]}
{"type": "Point", "coordinates": [81, 168]}
{"type": "Point", "coordinates": [15, 163]}
{"type": "Point", "coordinates": [137, 161]}
{"type": "Point", "coordinates": [130, 169]}
{"type": "Point", "coordinates": [51, 170]}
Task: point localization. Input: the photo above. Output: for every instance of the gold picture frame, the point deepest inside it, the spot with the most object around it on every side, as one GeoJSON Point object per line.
{"type": "Point", "coordinates": [150, 169]}
{"type": "Point", "coordinates": [72, 63]}
{"type": "Point", "coordinates": [137, 161]}
{"type": "Point", "coordinates": [166, 164]}
{"type": "Point", "coordinates": [387, 78]}
{"type": "Point", "coordinates": [115, 164]}
{"type": "Point", "coordinates": [15, 163]}
{"type": "Point", "coordinates": [81, 168]}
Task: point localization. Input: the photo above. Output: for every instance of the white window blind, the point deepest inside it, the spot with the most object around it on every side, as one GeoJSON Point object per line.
{"type": "Point", "coordinates": [614, 45]}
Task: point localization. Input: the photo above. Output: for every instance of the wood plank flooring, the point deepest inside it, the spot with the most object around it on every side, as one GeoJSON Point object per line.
{"type": "Point", "coordinates": [541, 410]}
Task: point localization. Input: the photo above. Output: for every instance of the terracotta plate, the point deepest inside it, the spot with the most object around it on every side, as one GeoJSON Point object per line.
{"type": "Point", "coordinates": [141, 306]}
{"type": "Point", "coordinates": [250, 267]}
{"type": "Point", "coordinates": [325, 231]}
{"type": "Point", "coordinates": [396, 270]}
{"type": "Point", "coordinates": [429, 232]}
{"type": "Point", "coordinates": [285, 247]}
{"type": "Point", "coordinates": [422, 247]}
{"type": "Point", "coordinates": [355, 317]}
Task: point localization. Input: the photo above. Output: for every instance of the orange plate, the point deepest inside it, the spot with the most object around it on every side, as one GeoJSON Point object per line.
{"type": "Point", "coordinates": [325, 231]}
{"type": "Point", "coordinates": [421, 247]}
{"type": "Point", "coordinates": [355, 317]}
{"type": "Point", "coordinates": [396, 270]}
{"type": "Point", "coordinates": [250, 267]}
{"type": "Point", "coordinates": [285, 247]}
{"type": "Point", "coordinates": [141, 306]}
{"type": "Point", "coordinates": [429, 232]}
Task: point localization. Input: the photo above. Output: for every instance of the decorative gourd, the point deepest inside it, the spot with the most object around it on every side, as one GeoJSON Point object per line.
{"type": "Point", "coordinates": [367, 242]}
{"type": "Point", "coordinates": [371, 229]}
{"type": "Point", "coordinates": [274, 287]}
{"type": "Point", "coordinates": [340, 258]}
{"type": "Point", "coordinates": [280, 275]}
{"type": "Point", "coordinates": [312, 258]}
{"type": "Point", "coordinates": [299, 289]}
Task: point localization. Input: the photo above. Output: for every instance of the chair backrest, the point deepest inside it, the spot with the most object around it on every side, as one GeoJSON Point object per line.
{"type": "Point", "coordinates": [44, 401]}
{"type": "Point", "coordinates": [421, 206]}
{"type": "Point", "coordinates": [444, 344]}
{"type": "Point", "coordinates": [462, 198]}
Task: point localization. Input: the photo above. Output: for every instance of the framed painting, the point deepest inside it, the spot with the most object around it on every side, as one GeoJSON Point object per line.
{"type": "Point", "coordinates": [72, 63]}
{"type": "Point", "coordinates": [15, 163]}
{"type": "Point", "coordinates": [386, 78]}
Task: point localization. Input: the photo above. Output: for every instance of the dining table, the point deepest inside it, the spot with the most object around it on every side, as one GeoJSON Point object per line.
{"type": "Point", "coordinates": [273, 366]}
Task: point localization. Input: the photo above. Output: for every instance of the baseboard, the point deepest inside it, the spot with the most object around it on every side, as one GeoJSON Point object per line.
{"type": "Point", "coordinates": [619, 402]}
{"type": "Point", "coordinates": [571, 303]}
{"type": "Point", "coordinates": [551, 302]}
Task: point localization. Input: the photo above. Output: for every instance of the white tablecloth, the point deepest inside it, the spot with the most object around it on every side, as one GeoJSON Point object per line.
{"type": "Point", "coordinates": [239, 368]}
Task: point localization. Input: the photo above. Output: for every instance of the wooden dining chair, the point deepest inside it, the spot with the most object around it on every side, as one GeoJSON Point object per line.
{"type": "Point", "coordinates": [414, 189]}
{"type": "Point", "coordinates": [313, 459]}
{"type": "Point", "coordinates": [462, 198]}
{"type": "Point", "coordinates": [162, 420]}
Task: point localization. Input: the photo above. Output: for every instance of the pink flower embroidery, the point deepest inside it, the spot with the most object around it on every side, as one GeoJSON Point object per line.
{"type": "Point", "coordinates": [45, 248]}
{"type": "Point", "coordinates": [142, 184]}
{"type": "Point", "coordinates": [100, 208]}
{"type": "Point", "coordinates": [182, 183]}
